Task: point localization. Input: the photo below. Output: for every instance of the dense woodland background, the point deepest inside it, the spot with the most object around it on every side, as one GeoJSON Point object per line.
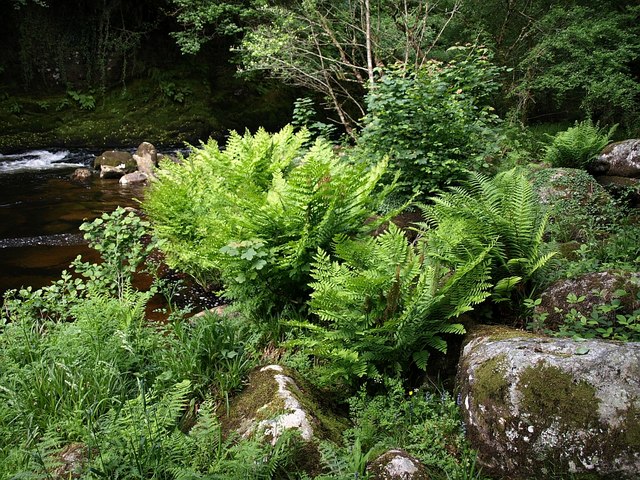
{"type": "Point", "coordinates": [208, 61]}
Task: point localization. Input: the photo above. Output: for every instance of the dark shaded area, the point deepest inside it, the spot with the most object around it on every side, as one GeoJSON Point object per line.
{"type": "Point", "coordinates": [108, 74]}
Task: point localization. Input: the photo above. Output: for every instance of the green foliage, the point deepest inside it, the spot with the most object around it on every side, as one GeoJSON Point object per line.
{"type": "Point", "coordinates": [304, 115]}
{"type": "Point", "coordinates": [118, 237]}
{"type": "Point", "coordinates": [344, 463]}
{"type": "Point", "coordinates": [578, 146]}
{"type": "Point", "coordinates": [254, 214]}
{"type": "Point", "coordinates": [503, 211]}
{"type": "Point", "coordinates": [578, 207]}
{"type": "Point", "coordinates": [203, 20]}
{"type": "Point", "coordinates": [583, 55]}
{"type": "Point", "coordinates": [174, 92]}
{"type": "Point", "coordinates": [385, 303]}
{"type": "Point", "coordinates": [213, 353]}
{"type": "Point", "coordinates": [606, 320]}
{"type": "Point", "coordinates": [435, 122]}
{"type": "Point", "coordinates": [426, 423]}
{"type": "Point", "coordinates": [86, 101]}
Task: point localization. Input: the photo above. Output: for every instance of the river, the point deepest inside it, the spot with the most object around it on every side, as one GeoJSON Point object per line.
{"type": "Point", "coordinates": [41, 210]}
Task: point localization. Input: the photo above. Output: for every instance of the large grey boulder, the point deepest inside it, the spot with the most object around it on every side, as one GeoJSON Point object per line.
{"type": "Point", "coordinates": [107, 171]}
{"type": "Point", "coordinates": [620, 159]}
{"type": "Point", "coordinates": [134, 178]}
{"type": "Point", "coordinates": [146, 158]}
{"type": "Point", "coordinates": [536, 407]}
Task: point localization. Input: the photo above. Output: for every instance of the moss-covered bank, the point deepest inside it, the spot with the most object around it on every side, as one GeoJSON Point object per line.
{"type": "Point", "coordinates": [184, 108]}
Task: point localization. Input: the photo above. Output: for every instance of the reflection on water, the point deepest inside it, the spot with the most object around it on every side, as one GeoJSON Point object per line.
{"type": "Point", "coordinates": [40, 212]}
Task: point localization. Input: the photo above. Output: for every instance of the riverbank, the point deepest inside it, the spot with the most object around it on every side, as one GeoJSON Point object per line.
{"type": "Point", "coordinates": [167, 111]}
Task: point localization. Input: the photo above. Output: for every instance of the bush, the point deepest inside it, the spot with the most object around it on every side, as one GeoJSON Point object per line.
{"type": "Point", "coordinates": [435, 123]}
{"type": "Point", "coordinates": [578, 146]}
{"type": "Point", "coordinates": [385, 303]}
{"type": "Point", "coordinates": [254, 214]}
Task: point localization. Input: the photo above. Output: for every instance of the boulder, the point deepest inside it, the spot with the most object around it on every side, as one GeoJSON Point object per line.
{"type": "Point", "coordinates": [81, 175]}
{"type": "Point", "coordinates": [536, 407]}
{"type": "Point", "coordinates": [397, 465]}
{"type": "Point", "coordinates": [134, 178]}
{"type": "Point", "coordinates": [595, 289]}
{"type": "Point", "coordinates": [107, 171]}
{"type": "Point", "coordinates": [274, 401]}
{"type": "Point", "coordinates": [622, 188]}
{"type": "Point", "coordinates": [114, 158]}
{"type": "Point", "coordinates": [620, 159]}
{"type": "Point", "coordinates": [146, 158]}
{"type": "Point", "coordinates": [573, 199]}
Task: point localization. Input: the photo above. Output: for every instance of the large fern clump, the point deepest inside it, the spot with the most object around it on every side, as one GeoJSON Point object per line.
{"type": "Point", "coordinates": [384, 304]}
{"type": "Point", "coordinates": [502, 211]}
{"type": "Point", "coordinates": [578, 146]}
{"type": "Point", "coordinates": [254, 214]}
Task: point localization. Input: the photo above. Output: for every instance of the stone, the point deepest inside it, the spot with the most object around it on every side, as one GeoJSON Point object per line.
{"type": "Point", "coordinates": [133, 178]}
{"type": "Point", "coordinates": [531, 403]}
{"type": "Point", "coordinates": [146, 158]}
{"type": "Point", "coordinates": [81, 175]}
{"type": "Point", "coordinates": [276, 400]}
{"type": "Point", "coordinates": [620, 159]}
{"type": "Point", "coordinates": [115, 158]}
{"type": "Point", "coordinates": [72, 460]}
{"type": "Point", "coordinates": [598, 288]}
{"type": "Point", "coordinates": [622, 188]}
{"type": "Point", "coordinates": [397, 465]}
{"type": "Point", "coordinates": [573, 199]}
{"type": "Point", "coordinates": [107, 171]}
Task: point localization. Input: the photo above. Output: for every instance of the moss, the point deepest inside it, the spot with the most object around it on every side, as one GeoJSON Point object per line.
{"type": "Point", "coordinates": [496, 333]}
{"type": "Point", "coordinates": [260, 401]}
{"type": "Point", "coordinates": [141, 112]}
{"type": "Point", "coordinates": [551, 395]}
{"type": "Point", "coordinates": [261, 388]}
{"type": "Point", "coordinates": [329, 426]}
{"type": "Point", "coordinates": [491, 385]}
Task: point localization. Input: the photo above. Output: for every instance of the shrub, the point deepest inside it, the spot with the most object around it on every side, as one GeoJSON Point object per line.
{"type": "Point", "coordinates": [435, 123]}
{"type": "Point", "coordinates": [578, 146]}
{"type": "Point", "coordinates": [255, 213]}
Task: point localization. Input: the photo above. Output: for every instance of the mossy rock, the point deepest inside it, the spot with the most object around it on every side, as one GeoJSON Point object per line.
{"type": "Point", "coordinates": [594, 290]}
{"type": "Point", "coordinates": [575, 202]}
{"type": "Point", "coordinates": [277, 399]}
{"type": "Point", "coordinates": [535, 407]}
{"type": "Point", "coordinates": [114, 158]}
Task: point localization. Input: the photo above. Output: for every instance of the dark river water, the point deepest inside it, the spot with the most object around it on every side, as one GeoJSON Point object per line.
{"type": "Point", "coordinates": [41, 210]}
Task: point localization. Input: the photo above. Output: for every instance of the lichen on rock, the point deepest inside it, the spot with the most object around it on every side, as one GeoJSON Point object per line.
{"type": "Point", "coordinates": [532, 403]}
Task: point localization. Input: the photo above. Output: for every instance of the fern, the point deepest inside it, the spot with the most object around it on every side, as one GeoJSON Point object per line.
{"type": "Point", "coordinates": [578, 146]}
{"type": "Point", "coordinates": [254, 214]}
{"type": "Point", "coordinates": [386, 303]}
{"type": "Point", "coordinates": [503, 211]}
